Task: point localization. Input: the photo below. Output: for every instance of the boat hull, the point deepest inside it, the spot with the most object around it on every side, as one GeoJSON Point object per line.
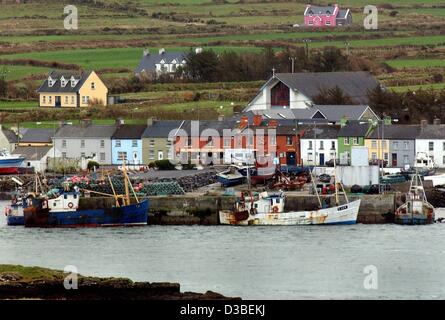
{"type": "Point", "coordinates": [11, 162]}
{"type": "Point", "coordinates": [229, 182]}
{"type": "Point", "coordinates": [131, 215]}
{"type": "Point", "coordinates": [343, 214]}
{"type": "Point", "coordinates": [15, 220]}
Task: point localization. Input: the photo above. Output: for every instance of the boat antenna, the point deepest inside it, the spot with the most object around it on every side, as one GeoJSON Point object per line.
{"type": "Point", "coordinates": [114, 192]}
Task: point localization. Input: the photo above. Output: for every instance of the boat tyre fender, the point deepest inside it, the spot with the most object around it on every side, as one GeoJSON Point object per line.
{"type": "Point", "coordinates": [45, 204]}
{"type": "Point", "coordinates": [70, 205]}
{"type": "Point", "coordinates": [253, 211]}
{"type": "Point", "coordinates": [275, 209]}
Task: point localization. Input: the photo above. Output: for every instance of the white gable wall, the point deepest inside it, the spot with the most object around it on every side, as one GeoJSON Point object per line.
{"type": "Point", "coordinates": [422, 145]}
{"type": "Point", "coordinates": [308, 155]}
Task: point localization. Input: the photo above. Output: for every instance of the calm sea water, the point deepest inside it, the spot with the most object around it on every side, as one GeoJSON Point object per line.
{"type": "Point", "coordinates": [250, 262]}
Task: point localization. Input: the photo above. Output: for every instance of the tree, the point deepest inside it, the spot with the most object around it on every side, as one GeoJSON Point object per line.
{"type": "Point", "coordinates": [3, 83]}
{"type": "Point", "coordinates": [334, 96]}
{"type": "Point", "coordinates": [202, 66]}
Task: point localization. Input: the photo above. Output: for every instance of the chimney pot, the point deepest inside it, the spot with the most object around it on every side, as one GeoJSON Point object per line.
{"type": "Point", "coordinates": [161, 51]}
{"type": "Point", "coordinates": [257, 119]}
{"type": "Point", "coordinates": [436, 121]}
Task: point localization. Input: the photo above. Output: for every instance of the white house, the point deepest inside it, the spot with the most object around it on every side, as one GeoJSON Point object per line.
{"type": "Point", "coordinates": [319, 144]}
{"type": "Point", "coordinates": [297, 90]}
{"type": "Point", "coordinates": [37, 156]}
{"type": "Point", "coordinates": [431, 141]}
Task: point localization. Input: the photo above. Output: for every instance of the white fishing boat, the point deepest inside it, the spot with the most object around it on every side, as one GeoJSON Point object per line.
{"type": "Point", "coordinates": [269, 209]}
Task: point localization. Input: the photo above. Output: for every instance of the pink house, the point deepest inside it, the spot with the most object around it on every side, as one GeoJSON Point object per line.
{"type": "Point", "coordinates": [329, 16]}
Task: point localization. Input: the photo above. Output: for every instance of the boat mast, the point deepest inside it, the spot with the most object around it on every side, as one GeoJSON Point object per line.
{"type": "Point", "coordinates": [335, 180]}
{"type": "Point", "coordinates": [315, 187]}
{"type": "Point", "coordinates": [127, 192]}
{"type": "Point", "coordinates": [114, 192]}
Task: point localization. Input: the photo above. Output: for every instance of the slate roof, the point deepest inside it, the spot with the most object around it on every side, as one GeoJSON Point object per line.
{"type": "Point", "coordinates": [161, 129]}
{"type": "Point", "coordinates": [10, 135]}
{"type": "Point", "coordinates": [319, 10]}
{"type": "Point", "coordinates": [354, 129]}
{"type": "Point", "coordinates": [219, 126]}
{"type": "Point", "coordinates": [335, 113]}
{"type": "Point", "coordinates": [432, 131]}
{"type": "Point", "coordinates": [90, 132]}
{"type": "Point", "coordinates": [148, 62]}
{"type": "Point", "coordinates": [342, 14]}
{"type": "Point", "coordinates": [396, 132]}
{"type": "Point", "coordinates": [37, 135]}
{"type": "Point", "coordinates": [129, 131]}
{"type": "Point", "coordinates": [354, 84]}
{"type": "Point", "coordinates": [321, 132]}
{"type": "Point", "coordinates": [57, 87]}
{"type": "Point", "coordinates": [32, 153]}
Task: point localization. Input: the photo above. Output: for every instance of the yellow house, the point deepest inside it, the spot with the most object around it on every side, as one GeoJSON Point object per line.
{"type": "Point", "coordinates": [71, 90]}
{"type": "Point", "coordinates": [377, 147]}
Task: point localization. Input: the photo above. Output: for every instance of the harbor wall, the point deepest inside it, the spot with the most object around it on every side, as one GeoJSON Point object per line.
{"type": "Point", "coordinates": [191, 209]}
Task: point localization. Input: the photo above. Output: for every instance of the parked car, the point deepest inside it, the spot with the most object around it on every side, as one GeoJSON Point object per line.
{"type": "Point", "coordinates": [378, 162]}
{"type": "Point", "coordinates": [330, 163]}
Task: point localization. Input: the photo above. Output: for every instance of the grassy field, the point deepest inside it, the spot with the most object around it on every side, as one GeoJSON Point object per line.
{"type": "Point", "coordinates": [416, 63]}
{"type": "Point", "coordinates": [435, 86]}
{"type": "Point", "coordinates": [9, 105]}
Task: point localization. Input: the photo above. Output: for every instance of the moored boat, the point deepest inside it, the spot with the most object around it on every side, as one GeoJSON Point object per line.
{"type": "Point", "coordinates": [230, 177]}
{"type": "Point", "coordinates": [9, 164]}
{"type": "Point", "coordinates": [61, 208]}
{"type": "Point", "coordinates": [416, 209]}
{"type": "Point", "coordinates": [269, 209]}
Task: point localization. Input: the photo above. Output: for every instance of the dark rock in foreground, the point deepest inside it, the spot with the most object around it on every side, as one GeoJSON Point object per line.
{"type": "Point", "coordinates": [18, 282]}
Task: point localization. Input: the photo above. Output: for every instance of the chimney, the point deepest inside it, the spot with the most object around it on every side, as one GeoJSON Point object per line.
{"type": "Point", "coordinates": [273, 123]}
{"type": "Point", "coordinates": [423, 124]}
{"type": "Point", "coordinates": [221, 117]}
{"type": "Point", "coordinates": [436, 121]}
{"type": "Point", "coordinates": [150, 121]}
{"type": "Point", "coordinates": [257, 119]}
{"type": "Point", "coordinates": [161, 51]}
{"type": "Point", "coordinates": [244, 122]}
{"type": "Point", "coordinates": [146, 52]}
{"type": "Point", "coordinates": [85, 123]}
{"type": "Point", "coordinates": [198, 50]}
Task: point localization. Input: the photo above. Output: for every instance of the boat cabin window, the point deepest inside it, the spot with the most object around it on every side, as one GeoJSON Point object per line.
{"type": "Point", "coordinates": [277, 200]}
{"type": "Point", "coordinates": [75, 196]}
{"type": "Point", "coordinates": [65, 196]}
{"type": "Point", "coordinates": [255, 205]}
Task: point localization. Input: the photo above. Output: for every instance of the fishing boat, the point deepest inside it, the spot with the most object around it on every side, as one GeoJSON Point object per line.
{"type": "Point", "coordinates": [416, 209]}
{"type": "Point", "coordinates": [14, 212]}
{"type": "Point", "coordinates": [231, 177]}
{"type": "Point", "coordinates": [9, 164]}
{"type": "Point", "coordinates": [61, 208]}
{"type": "Point", "coordinates": [269, 209]}
{"type": "Point", "coordinates": [392, 178]}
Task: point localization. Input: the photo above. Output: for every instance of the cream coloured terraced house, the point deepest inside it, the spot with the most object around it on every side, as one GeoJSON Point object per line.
{"type": "Point", "coordinates": [71, 90]}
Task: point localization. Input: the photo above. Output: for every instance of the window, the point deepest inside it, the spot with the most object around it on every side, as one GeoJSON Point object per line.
{"type": "Point", "coordinates": [134, 143]}
{"type": "Point", "coordinates": [72, 100]}
{"type": "Point", "coordinates": [50, 99]}
{"type": "Point", "coordinates": [332, 145]}
{"type": "Point", "coordinates": [289, 140]}
{"type": "Point", "coordinates": [117, 144]}
{"type": "Point", "coordinates": [63, 155]}
{"type": "Point", "coordinates": [405, 159]}
{"type": "Point", "coordinates": [443, 146]}
{"type": "Point", "coordinates": [151, 154]}
{"type": "Point", "coordinates": [309, 157]}
{"type": "Point", "coordinates": [102, 156]}
{"type": "Point", "coordinates": [227, 142]}
{"type": "Point", "coordinates": [395, 145]}
{"type": "Point", "coordinates": [63, 143]}
{"type": "Point", "coordinates": [328, 23]}
{"type": "Point", "coordinates": [66, 99]}
{"type": "Point", "coordinates": [374, 144]}
{"type": "Point", "coordinates": [44, 99]}
{"type": "Point", "coordinates": [406, 145]}
{"type": "Point", "coordinates": [121, 155]}
{"type": "Point", "coordinates": [321, 145]}
{"type": "Point", "coordinates": [346, 141]}
{"type": "Point", "coordinates": [431, 146]}
{"type": "Point", "coordinates": [310, 22]}
{"type": "Point", "coordinates": [152, 143]}
{"type": "Point", "coordinates": [82, 154]}
{"type": "Point", "coordinates": [102, 143]}
{"type": "Point", "coordinates": [374, 156]}
{"type": "Point", "coordinates": [310, 145]}
{"type": "Point", "coordinates": [82, 143]}
{"type": "Point", "coordinates": [355, 141]}
{"type": "Point", "coordinates": [93, 85]}
{"type": "Point", "coordinates": [250, 140]}
{"type": "Point", "coordinates": [273, 140]}
{"type": "Point", "coordinates": [385, 156]}
{"type": "Point", "coordinates": [85, 99]}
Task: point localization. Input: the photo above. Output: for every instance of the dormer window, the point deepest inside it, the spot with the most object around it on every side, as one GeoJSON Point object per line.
{"type": "Point", "coordinates": [63, 82]}
{"type": "Point", "coordinates": [162, 61]}
{"type": "Point", "coordinates": [73, 82]}
{"type": "Point", "coordinates": [51, 81]}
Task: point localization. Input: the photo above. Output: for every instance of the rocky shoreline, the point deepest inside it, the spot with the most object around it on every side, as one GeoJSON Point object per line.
{"type": "Point", "coordinates": [18, 282]}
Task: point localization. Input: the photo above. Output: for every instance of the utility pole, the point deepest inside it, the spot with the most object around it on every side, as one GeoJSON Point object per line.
{"type": "Point", "coordinates": [347, 44]}
{"type": "Point", "coordinates": [293, 63]}
{"type": "Point", "coordinates": [306, 42]}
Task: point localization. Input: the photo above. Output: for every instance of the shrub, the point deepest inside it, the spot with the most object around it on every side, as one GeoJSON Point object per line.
{"type": "Point", "coordinates": [92, 165]}
{"type": "Point", "coordinates": [164, 165]}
